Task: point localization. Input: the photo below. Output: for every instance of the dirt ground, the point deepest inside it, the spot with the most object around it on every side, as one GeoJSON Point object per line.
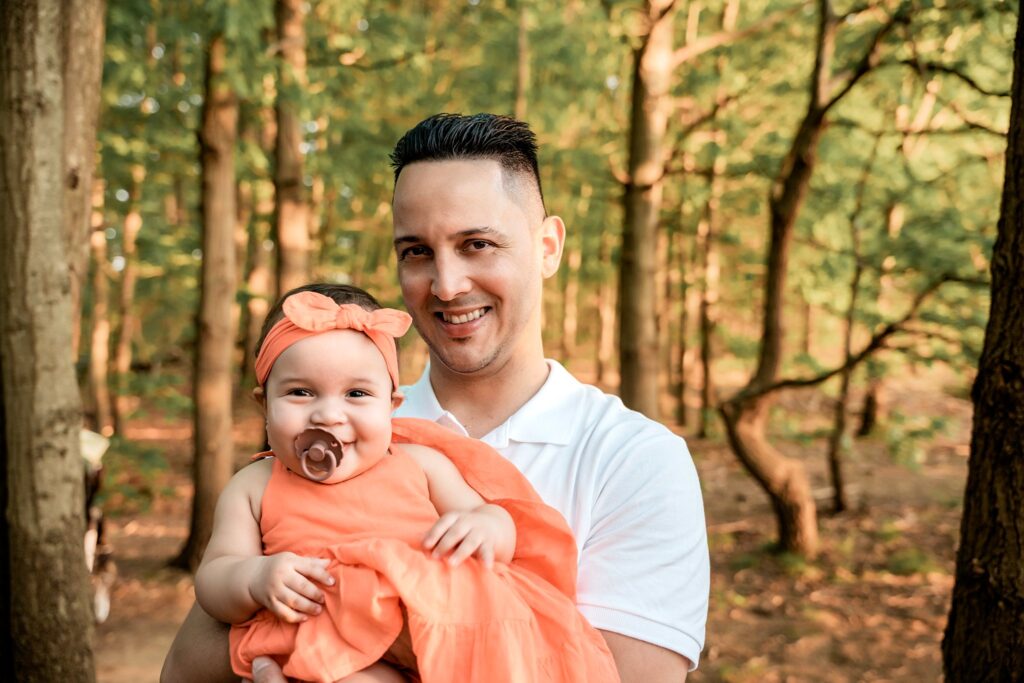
{"type": "Point", "coordinates": [871, 608]}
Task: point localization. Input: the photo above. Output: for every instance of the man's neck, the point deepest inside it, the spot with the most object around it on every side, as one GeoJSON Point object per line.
{"type": "Point", "coordinates": [482, 403]}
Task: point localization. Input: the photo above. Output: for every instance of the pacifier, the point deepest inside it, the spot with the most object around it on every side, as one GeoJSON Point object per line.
{"type": "Point", "coordinates": [319, 454]}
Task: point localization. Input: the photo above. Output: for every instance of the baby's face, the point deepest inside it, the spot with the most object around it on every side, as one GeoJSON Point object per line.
{"type": "Point", "coordinates": [336, 381]}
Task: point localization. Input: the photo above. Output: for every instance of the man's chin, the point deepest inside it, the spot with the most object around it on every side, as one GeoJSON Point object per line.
{"type": "Point", "coordinates": [468, 364]}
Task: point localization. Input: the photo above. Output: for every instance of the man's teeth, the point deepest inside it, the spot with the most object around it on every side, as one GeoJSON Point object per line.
{"type": "Point", "coordinates": [464, 318]}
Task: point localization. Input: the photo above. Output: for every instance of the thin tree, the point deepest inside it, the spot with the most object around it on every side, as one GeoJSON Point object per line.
{"type": "Point", "coordinates": [83, 29]}
{"type": "Point", "coordinates": [212, 381]}
{"type": "Point", "coordinates": [292, 225]}
{"type": "Point", "coordinates": [99, 346]}
{"type": "Point", "coordinates": [47, 613]}
{"type": "Point", "coordinates": [984, 638]}
{"type": "Point", "coordinates": [745, 413]}
{"type": "Point", "coordinates": [642, 195]}
{"type": "Point", "coordinates": [126, 299]}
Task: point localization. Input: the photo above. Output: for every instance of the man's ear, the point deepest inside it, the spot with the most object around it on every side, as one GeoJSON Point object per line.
{"type": "Point", "coordinates": [552, 239]}
{"type": "Point", "coordinates": [260, 397]}
{"type": "Point", "coordinates": [397, 399]}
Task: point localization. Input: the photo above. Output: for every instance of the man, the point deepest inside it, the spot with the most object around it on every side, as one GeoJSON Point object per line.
{"type": "Point", "coordinates": [474, 244]}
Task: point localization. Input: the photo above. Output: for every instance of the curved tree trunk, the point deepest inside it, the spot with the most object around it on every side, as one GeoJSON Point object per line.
{"type": "Point", "coordinates": [214, 446]}
{"type": "Point", "coordinates": [49, 618]}
{"type": "Point", "coordinates": [292, 231]}
{"type": "Point", "coordinates": [984, 638]}
{"type": "Point", "coordinates": [638, 333]}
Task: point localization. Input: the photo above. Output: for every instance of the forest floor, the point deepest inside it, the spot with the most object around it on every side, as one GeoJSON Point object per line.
{"type": "Point", "coordinates": [871, 607]}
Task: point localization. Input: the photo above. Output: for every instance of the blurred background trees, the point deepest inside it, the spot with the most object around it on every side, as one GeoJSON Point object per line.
{"type": "Point", "coordinates": [761, 196]}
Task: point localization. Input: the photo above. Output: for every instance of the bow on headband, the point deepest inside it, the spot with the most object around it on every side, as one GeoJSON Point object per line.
{"type": "Point", "coordinates": [310, 313]}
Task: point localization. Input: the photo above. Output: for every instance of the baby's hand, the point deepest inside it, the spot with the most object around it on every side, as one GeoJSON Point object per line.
{"type": "Point", "coordinates": [283, 584]}
{"type": "Point", "coordinates": [469, 532]}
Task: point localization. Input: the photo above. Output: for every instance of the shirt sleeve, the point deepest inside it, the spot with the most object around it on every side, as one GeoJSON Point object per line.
{"type": "Point", "coordinates": [644, 570]}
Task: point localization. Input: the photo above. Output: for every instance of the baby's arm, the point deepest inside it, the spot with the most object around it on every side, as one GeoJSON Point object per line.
{"type": "Point", "coordinates": [468, 525]}
{"type": "Point", "coordinates": [235, 579]}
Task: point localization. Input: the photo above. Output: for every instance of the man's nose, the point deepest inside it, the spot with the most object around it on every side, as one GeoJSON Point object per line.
{"type": "Point", "coordinates": [451, 278]}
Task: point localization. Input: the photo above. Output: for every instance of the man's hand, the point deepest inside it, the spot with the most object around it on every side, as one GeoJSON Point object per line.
{"type": "Point", "coordinates": [283, 584]}
{"type": "Point", "coordinates": [471, 532]}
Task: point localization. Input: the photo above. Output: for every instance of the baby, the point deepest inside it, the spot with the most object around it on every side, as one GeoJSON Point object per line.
{"type": "Point", "coordinates": [316, 551]}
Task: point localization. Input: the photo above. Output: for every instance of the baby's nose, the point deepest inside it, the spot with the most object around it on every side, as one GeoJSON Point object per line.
{"type": "Point", "coordinates": [329, 412]}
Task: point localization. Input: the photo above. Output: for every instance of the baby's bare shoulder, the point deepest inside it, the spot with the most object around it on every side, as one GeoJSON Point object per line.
{"type": "Point", "coordinates": [430, 459]}
{"type": "Point", "coordinates": [249, 483]}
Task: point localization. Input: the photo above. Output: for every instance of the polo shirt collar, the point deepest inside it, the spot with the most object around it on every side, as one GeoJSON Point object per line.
{"type": "Point", "coordinates": [547, 417]}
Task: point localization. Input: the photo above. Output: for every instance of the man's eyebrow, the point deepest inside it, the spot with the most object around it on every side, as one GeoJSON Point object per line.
{"type": "Point", "coordinates": [482, 230]}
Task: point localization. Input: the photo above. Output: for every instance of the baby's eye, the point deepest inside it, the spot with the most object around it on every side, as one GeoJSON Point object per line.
{"type": "Point", "coordinates": [357, 393]}
{"type": "Point", "coordinates": [299, 392]}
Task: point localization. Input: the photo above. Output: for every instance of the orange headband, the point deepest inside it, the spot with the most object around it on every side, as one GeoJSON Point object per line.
{"type": "Point", "coordinates": [309, 313]}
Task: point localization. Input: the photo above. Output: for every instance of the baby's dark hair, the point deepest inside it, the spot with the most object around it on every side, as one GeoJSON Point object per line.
{"type": "Point", "coordinates": [341, 294]}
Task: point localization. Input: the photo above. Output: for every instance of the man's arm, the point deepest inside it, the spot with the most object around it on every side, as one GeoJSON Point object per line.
{"type": "Point", "coordinates": [640, 662]}
{"type": "Point", "coordinates": [199, 653]}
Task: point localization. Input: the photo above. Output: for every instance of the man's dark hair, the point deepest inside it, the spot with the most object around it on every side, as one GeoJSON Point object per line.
{"type": "Point", "coordinates": [341, 294]}
{"type": "Point", "coordinates": [443, 137]}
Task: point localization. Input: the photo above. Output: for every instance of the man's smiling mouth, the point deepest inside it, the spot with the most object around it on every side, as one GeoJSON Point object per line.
{"type": "Point", "coordinates": [462, 318]}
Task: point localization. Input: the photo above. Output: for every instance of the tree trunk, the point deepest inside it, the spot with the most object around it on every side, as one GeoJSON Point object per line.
{"type": "Point", "coordinates": [522, 64]}
{"type": "Point", "coordinates": [99, 349]}
{"type": "Point", "coordinates": [49, 618]}
{"type": "Point", "coordinates": [682, 349]}
{"type": "Point", "coordinates": [258, 285]}
{"type": "Point", "coordinates": [292, 229]}
{"type": "Point", "coordinates": [570, 294]}
{"type": "Point", "coordinates": [126, 304]}
{"type": "Point", "coordinates": [836, 439]}
{"type": "Point", "coordinates": [984, 640]}
{"type": "Point", "coordinates": [784, 480]}
{"type": "Point", "coordinates": [652, 104]}
{"type": "Point", "coordinates": [708, 292]}
{"type": "Point", "coordinates": [214, 447]}
{"type": "Point", "coordinates": [83, 29]}
{"type": "Point", "coordinates": [606, 315]}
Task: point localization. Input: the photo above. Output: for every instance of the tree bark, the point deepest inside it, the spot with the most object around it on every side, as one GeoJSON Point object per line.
{"type": "Point", "coordinates": [214, 447]}
{"type": "Point", "coordinates": [984, 639]}
{"type": "Point", "coordinates": [126, 301]}
{"type": "Point", "coordinates": [292, 226]}
{"type": "Point", "coordinates": [49, 617]}
{"type": "Point", "coordinates": [83, 31]}
{"type": "Point", "coordinates": [652, 104]}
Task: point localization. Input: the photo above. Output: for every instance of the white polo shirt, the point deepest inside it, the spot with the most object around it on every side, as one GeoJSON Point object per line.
{"type": "Point", "coordinates": [629, 491]}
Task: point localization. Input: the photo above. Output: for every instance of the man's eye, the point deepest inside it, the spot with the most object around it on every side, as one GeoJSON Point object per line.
{"type": "Point", "coordinates": [477, 245]}
{"type": "Point", "coordinates": [413, 252]}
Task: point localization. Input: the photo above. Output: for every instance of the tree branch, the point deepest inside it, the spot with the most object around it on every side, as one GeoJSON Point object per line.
{"type": "Point", "coordinates": [923, 67]}
{"type": "Point", "coordinates": [716, 40]}
{"type": "Point", "coordinates": [877, 342]}
{"type": "Point", "coordinates": [868, 62]}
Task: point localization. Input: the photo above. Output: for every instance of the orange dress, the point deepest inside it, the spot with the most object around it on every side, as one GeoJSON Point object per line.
{"type": "Point", "coordinates": [516, 623]}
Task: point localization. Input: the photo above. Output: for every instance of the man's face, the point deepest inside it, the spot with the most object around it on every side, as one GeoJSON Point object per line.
{"type": "Point", "coordinates": [471, 259]}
